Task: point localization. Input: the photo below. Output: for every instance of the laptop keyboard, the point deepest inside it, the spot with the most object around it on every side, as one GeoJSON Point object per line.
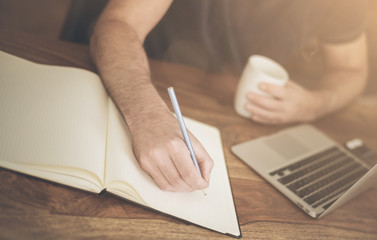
{"type": "Point", "coordinates": [321, 177]}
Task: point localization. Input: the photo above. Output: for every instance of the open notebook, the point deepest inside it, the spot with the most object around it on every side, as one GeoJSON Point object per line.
{"type": "Point", "coordinates": [58, 123]}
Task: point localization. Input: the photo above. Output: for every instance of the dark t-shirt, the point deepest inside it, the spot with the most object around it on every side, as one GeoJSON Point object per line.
{"type": "Point", "coordinates": [210, 33]}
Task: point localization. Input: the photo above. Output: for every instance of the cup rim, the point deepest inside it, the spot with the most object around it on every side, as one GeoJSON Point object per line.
{"type": "Point", "coordinates": [256, 60]}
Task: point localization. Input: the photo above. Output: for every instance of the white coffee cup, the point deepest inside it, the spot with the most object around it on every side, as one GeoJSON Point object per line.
{"type": "Point", "coordinates": [257, 70]}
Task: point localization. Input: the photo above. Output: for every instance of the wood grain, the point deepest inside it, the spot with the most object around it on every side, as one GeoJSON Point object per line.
{"type": "Point", "coordinates": [31, 208]}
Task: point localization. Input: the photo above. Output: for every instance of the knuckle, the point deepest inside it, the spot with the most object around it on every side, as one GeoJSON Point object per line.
{"type": "Point", "coordinates": [144, 163]}
{"type": "Point", "coordinates": [155, 153]}
{"type": "Point", "coordinates": [174, 143]}
{"type": "Point", "coordinates": [148, 158]}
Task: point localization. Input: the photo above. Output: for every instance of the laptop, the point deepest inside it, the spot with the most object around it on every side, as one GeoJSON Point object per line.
{"type": "Point", "coordinates": [308, 167]}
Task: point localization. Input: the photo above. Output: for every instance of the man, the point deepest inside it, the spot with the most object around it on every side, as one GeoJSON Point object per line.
{"type": "Point", "coordinates": [243, 28]}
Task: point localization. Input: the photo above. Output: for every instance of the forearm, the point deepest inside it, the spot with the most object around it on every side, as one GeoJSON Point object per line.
{"type": "Point", "coordinates": [124, 69]}
{"type": "Point", "coordinates": [338, 88]}
{"type": "Point", "coordinates": [117, 50]}
{"type": "Point", "coordinates": [346, 74]}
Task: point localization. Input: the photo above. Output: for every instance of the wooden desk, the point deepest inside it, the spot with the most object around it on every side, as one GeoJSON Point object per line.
{"type": "Point", "coordinates": [35, 209]}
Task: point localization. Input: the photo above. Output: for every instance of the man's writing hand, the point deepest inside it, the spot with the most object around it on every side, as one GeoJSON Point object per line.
{"type": "Point", "coordinates": [162, 153]}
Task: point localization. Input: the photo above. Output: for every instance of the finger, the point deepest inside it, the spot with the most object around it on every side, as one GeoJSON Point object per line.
{"type": "Point", "coordinates": [186, 168]}
{"type": "Point", "coordinates": [162, 181]}
{"type": "Point", "coordinates": [172, 175]}
{"type": "Point", "coordinates": [263, 101]}
{"type": "Point", "coordinates": [157, 176]}
{"type": "Point", "coordinates": [275, 91]}
{"type": "Point", "coordinates": [261, 115]}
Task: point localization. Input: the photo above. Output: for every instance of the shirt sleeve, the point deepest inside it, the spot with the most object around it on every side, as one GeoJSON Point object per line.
{"type": "Point", "coordinates": [342, 20]}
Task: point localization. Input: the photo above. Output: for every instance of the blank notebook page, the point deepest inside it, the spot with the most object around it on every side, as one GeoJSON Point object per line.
{"type": "Point", "coordinates": [51, 116]}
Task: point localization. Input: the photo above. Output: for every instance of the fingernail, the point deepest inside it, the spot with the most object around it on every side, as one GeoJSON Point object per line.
{"type": "Point", "coordinates": [262, 86]}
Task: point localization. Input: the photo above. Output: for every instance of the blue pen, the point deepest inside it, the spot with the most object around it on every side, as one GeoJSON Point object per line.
{"type": "Point", "coordinates": [182, 125]}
